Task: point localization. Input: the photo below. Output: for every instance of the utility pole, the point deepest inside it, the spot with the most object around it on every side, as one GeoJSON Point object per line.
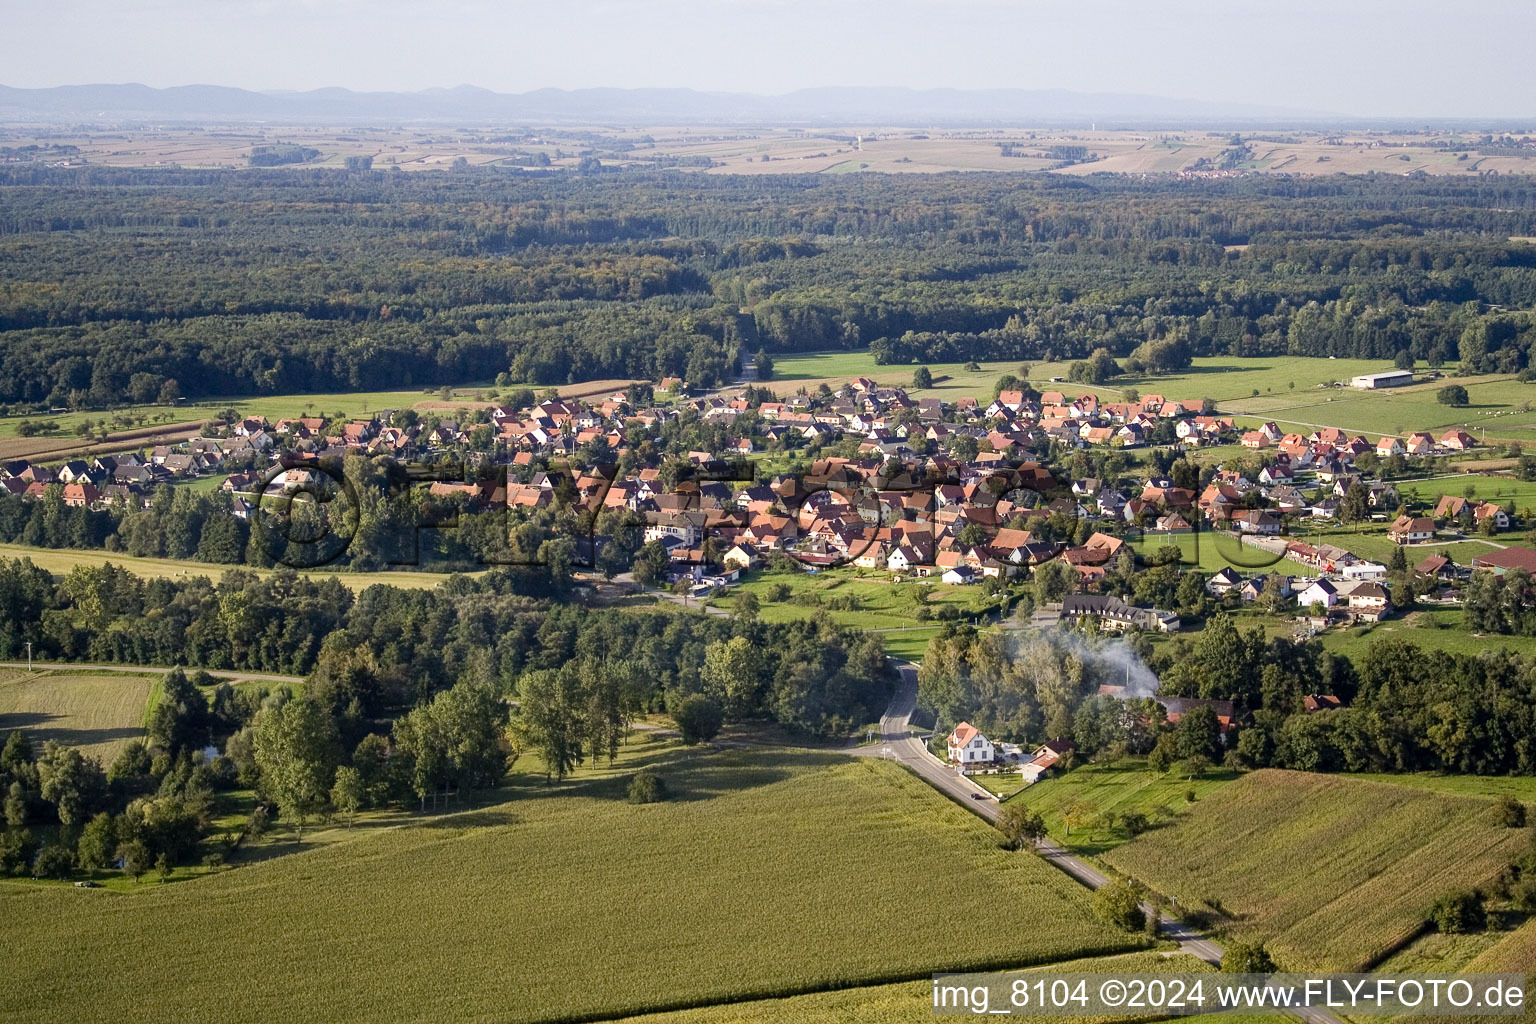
{"type": "Point", "coordinates": [29, 657]}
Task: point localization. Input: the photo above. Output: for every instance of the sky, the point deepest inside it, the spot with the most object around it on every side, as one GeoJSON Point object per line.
{"type": "Point", "coordinates": [1394, 58]}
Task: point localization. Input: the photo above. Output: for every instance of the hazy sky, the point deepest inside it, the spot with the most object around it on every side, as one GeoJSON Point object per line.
{"type": "Point", "coordinates": [1373, 57]}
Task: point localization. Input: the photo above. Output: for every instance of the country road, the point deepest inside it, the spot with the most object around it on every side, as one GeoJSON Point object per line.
{"type": "Point", "coordinates": [897, 742]}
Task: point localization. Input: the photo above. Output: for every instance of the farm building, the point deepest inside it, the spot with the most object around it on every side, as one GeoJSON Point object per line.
{"type": "Point", "coordinates": [1385, 379]}
{"type": "Point", "coordinates": [1512, 557]}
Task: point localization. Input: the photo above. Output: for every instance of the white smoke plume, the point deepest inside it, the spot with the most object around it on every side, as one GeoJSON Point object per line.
{"type": "Point", "coordinates": [1111, 662]}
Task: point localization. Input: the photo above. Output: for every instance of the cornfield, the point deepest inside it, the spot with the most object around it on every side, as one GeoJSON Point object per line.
{"type": "Point", "coordinates": [765, 873]}
{"type": "Point", "coordinates": [1333, 872]}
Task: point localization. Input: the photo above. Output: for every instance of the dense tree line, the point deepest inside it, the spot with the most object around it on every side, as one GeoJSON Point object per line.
{"type": "Point", "coordinates": [411, 644]}
{"type": "Point", "coordinates": [276, 281]}
{"type": "Point", "coordinates": [1405, 708]}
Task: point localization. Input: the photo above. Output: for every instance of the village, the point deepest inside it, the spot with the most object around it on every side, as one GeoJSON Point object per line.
{"type": "Point", "coordinates": [866, 479]}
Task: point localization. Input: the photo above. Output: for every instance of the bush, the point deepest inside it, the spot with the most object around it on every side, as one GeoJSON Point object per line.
{"type": "Point", "coordinates": [1119, 905]}
{"type": "Point", "coordinates": [1133, 823]}
{"type": "Point", "coordinates": [698, 719]}
{"type": "Point", "coordinates": [646, 788]}
{"type": "Point", "coordinates": [1459, 912]}
{"type": "Point", "coordinates": [1247, 958]}
{"type": "Point", "coordinates": [54, 862]}
{"type": "Point", "coordinates": [1509, 812]}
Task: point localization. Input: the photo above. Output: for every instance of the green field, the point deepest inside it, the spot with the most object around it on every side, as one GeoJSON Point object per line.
{"type": "Point", "coordinates": [881, 604]}
{"type": "Point", "coordinates": [718, 894]}
{"type": "Point", "coordinates": [1115, 789]}
{"type": "Point", "coordinates": [1332, 871]}
{"type": "Point", "coordinates": [1375, 545]}
{"type": "Point", "coordinates": [1502, 490]}
{"type": "Point", "coordinates": [60, 561]}
{"type": "Point", "coordinates": [890, 609]}
{"type": "Point", "coordinates": [1437, 630]}
{"type": "Point", "coordinates": [98, 713]}
{"type": "Point", "coordinates": [1499, 403]}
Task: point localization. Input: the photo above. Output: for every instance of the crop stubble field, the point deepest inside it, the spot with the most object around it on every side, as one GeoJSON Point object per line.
{"type": "Point", "coordinates": [1333, 872]}
{"type": "Point", "coordinates": [719, 894]}
{"type": "Point", "coordinates": [98, 714]}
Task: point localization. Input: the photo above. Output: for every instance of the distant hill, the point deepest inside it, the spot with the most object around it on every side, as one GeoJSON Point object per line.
{"type": "Point", "coordinates": [896, 106]}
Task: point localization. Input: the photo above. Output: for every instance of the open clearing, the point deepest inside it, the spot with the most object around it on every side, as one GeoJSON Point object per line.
{"type": "Point", "coordinates": [717, 894]}
{"type": "Point", "coordinates": [1333, 872]}
{"type": "Point", "coordinates": [97, 713]}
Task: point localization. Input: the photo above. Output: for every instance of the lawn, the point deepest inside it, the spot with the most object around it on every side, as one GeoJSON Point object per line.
{"type": "Point", "coordinates": [97, 713]}
{"type": "Point", "coordinates": [1334, 872]}
{"type": "Point", "coordinates": [60, 561]}
{"type": "Point", "coordinates": [1210, 552]}
{"type": "Point", "coordinates": [1114, 789]}
{"type": "Point", "coordinates": [567, 901]}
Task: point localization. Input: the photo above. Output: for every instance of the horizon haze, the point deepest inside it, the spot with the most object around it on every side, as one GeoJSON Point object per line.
{"type": "Point", "coordinates": [1371, 59]}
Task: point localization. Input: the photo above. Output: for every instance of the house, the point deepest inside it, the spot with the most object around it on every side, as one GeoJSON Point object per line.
{"type": "Point", "coordinates": [1457, 440]}
{"type": "Point", "coordinates": [1173, 523]}
{"type": "Point", "coordinates": [1390, 446]}
{"type": "Point", "coordinates": [1364, 571]}
{"type": "Point", "coordinates": [1438, 567]}
{"type": "Point", "coordinates": [1116, 615]}
{"type": "Point", "coordinates": [1412, 530]}
{"type": "Point", "coordinates": [81, 494]}
{"type": "Point", "coordinates": [1222, 580]}
{"type": "Point", "coordinates": [966, 745]}
{"type": "Point", "coordinates": [1255, 439]}
{"type": "Point", "coordinates": [1419, 444]}
{"type": "Point", "coordinates": [1369, 601]}
{"type": "Point", "coordinates": [1320, 592]}
{"type": "Point", "coordinates": [1261, 521]}
{"type": "Point", "coordinates": [1045, 758]}
{"type": "Point", "coordinates": [1175, 708]}
{"type": "Point", "coordinates": [1314, 702]}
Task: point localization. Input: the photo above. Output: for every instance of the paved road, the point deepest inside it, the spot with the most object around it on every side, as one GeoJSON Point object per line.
{"type": "Point", "coordinates": [139, 670]}
{"type": "Point", "coordinates": [897, 742]}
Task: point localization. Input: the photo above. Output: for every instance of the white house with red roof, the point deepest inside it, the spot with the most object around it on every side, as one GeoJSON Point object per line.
{"type": "Point", "coordinates": [968, 746]}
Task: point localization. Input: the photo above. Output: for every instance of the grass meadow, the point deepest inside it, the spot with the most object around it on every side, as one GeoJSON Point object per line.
{"type": "Point", "coordinates": [98, 713]}
{"type": "Point", "coordinates": [60, 561]}
{"type": "Point", "coordinates": [566, 901]}
{"type": "Point", "coordinates": [1333, 872]}
{"type": "Point", "coordinates": [1102, 789]}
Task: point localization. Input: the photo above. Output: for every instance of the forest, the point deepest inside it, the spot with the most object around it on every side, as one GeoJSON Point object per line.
{"type": "Point", "coordinates": [266, 281]}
